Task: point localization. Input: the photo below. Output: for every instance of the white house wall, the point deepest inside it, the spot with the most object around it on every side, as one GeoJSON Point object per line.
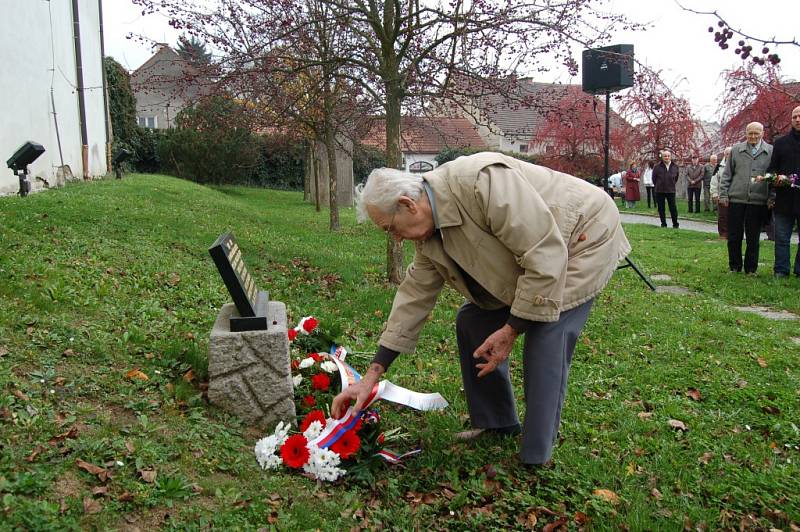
{"type": "Point", "coordinates": [25, 86]}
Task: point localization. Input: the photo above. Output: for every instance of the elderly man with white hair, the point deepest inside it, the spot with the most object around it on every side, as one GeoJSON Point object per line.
{"type": "Point", "coordinates": [746, 197]}
{"type": "Point", "coordinates": [528, 248]}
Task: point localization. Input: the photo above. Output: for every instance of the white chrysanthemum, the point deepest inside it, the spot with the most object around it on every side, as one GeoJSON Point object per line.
{"type": "Point", "coordinates": [313, 430]}
{"type": "Point", "coordinates": [306, 363]}
{"type": "Point", "coordinates": [328, 366]}
{"type": "Point", "coordinates": [282, 433]}
{"type": "Point", "coordinates": [265, 453]}
{"type": "Point", "coordinates": [322, 464]}
{"type": "Point", "coordinates": [297, 379]}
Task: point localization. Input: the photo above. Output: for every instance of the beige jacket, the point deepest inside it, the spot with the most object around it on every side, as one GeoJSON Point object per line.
{"type": "Point", "coordinates": [537, 240]}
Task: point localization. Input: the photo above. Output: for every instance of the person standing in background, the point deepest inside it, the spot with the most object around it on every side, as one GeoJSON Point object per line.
{"type": "Point", "coordinates": [647, 177]}
{"type": "Point", "coordinates": [665, 175]}
{"type": "Point", "coordinates": [786, 199]}
{"type": "Point", "coordinates": [708, 172]}
{"type": "Point", "coordinates": [746, 197]}
{"type": "Point", "coordinates": [694, 181]}
{"type": "Point", "coordinates": [632, 194]}
{"type": "Point", "coordinates": [722, 210]}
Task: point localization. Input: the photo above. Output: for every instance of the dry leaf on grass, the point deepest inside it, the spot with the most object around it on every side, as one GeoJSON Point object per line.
{"type": "Point", "coordinates": [102, 474]}
{"type": "Point", "coordinates": [3, 351]}
{"type": "Point", "coordinates": [135, 374]}
{"type": "Point", "coordinates": [148, 475]}
{"type": "Point", "coordinates": [694, 394]}
{"type": "Point", "coordinates": [68, 353]}
{"type": "Point", "coordinates": [645, 415]}
{"type": "Point", "coordinates": [606, 495]}
{"type": "Point", "coordinates": [679, 425]}
{"type": "Point", "coordinates": [762, 362]}
{"type": "Point", "coordinates": [91, 506]}
{"type": "Point", "coordinates": [20, 395]}
{"type": "Point", "coordinates": [705, 458]}
{"type": "Point", "coordinates": [555, 525]}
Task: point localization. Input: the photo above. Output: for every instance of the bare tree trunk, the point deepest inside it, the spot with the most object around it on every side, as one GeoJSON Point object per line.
{"type": "Point", "coordinates": [316, 176]}
{"type": "Point", "coordinates": [394, 159]}
{"type": "Point", "coordinates": [308, 173]}
{"type": "Point", "coordinates": [330, 147]}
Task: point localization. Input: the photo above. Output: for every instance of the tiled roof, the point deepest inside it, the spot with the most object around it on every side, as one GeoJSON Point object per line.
{"type": "Point", "coordinates": [427, 134]}
{"type": "Point", "coordinates": [525, 110]}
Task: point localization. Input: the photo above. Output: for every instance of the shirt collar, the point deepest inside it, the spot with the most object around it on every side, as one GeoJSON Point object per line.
{"type": "Point", "coordinates": [432, 201]}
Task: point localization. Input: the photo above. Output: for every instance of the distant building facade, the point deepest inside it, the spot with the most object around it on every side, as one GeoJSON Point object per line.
{"type": "Point", "coordinates": [164, 85]}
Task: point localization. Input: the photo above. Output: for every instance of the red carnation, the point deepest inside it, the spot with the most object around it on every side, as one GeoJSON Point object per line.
{"type": "Point", "coordinates": [292, 335]}
{"type": "Point", "coordinates": [315, 356]}
{"type": "Point", "coordinates": [320, 382]}
{"type": "Point", "coordinates": [381, 438]}
{"type": "Point", "coordinates": [295, 364]}
{"type": "Point", "coordinates": [309, 400]}
{"type": "Point", "coordinates": [294, 451]}
{"type": "Point", "coordinates": [347, 445]}
{"type": "Point", "coordinates": [314, 415]}
{"type": "Point", "coordinates": [310, 324]}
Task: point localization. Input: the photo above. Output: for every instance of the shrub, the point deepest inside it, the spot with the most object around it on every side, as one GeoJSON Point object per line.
{"type": "Point", "coordinates": [365, 160]}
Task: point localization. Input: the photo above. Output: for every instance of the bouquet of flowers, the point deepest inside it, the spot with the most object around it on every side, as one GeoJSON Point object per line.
{"type": "Point", "coordinates": [778, 180]}
{"type": "Point", "coordinates": [322, 447]}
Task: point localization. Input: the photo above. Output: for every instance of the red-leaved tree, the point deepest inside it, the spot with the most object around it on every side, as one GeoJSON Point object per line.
{"type": "Point", "coordinates": [754, 94]}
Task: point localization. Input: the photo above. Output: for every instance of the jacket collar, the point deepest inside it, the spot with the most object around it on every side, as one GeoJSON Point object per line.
{"type": "Point", "coordinates": [446, 207]}
{"type": "Point", "coordinates": [744, 147]}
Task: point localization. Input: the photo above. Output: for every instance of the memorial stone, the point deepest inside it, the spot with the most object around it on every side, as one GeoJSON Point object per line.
{"type": "Point", "coordinates": [248, 359]}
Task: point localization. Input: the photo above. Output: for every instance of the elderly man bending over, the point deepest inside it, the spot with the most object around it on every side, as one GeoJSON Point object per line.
{"type": "Point", "coordinates": [528, 248]}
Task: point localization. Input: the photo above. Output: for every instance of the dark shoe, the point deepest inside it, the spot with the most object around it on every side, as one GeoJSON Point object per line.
{"type": "Point", "coordinates": [675, 226]}
{"type": "Point", "coordinates": [663, 225]}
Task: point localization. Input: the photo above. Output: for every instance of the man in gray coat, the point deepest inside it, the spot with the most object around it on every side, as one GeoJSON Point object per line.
{"type": "Point", "coordinates": [746, 197]}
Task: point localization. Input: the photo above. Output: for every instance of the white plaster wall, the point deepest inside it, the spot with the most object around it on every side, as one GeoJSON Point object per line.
{"type": "Point", "coordinates": [25, 87]}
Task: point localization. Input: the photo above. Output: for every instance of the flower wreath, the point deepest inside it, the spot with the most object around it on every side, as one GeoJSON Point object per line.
{"type": "Point", "coordinates": [325, 448]}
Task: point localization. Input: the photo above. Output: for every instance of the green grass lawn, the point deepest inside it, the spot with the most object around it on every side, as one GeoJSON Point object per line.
{"type": "Point", "coordinates": [98, 279]}
{"type": "Point", "coordinates": [681, 204]}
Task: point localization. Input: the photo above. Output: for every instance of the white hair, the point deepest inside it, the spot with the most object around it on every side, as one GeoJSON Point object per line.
{"type": "Point", "coordinates": [383, 188]}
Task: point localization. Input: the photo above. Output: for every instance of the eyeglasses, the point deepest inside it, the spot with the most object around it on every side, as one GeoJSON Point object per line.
{"type": "Point", "coordinates": [390, 228]}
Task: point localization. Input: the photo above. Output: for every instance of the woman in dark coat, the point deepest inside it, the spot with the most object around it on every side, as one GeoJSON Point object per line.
{"type": "Point", "coordinates": [632, 193]}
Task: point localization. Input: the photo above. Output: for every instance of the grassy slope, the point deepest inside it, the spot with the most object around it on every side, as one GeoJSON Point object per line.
{"type": "Point", "coordinates": [116, 274]}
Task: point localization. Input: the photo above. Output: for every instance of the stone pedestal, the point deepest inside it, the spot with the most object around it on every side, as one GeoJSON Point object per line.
{"type": "Point", "coordinates": [249, 372]}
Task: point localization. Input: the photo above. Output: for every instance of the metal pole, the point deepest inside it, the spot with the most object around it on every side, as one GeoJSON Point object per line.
{"type": "Point", "coordinates": [606, 143]}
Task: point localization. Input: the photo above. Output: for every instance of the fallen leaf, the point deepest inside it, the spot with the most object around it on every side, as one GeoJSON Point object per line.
{"type": "Point", "coordinates": [35, 453]}
{"type": "Point", "coordinates": [675, 424]}
{"type": "Point", "coordinates": [771, 410]}
{"type": "Point", "coordinates": [68, 353]}
{"type": "Point", "coordinates": [72, 433]}
{"type": "Point", "coordinates": [174, 279]}
{"type": "Point", "coordinates": [100, 490]}
{"type": "Point", "coordinates": [125, 497]}
{"type": "Point", "coordinates": [188, 376]}
{"type": "Point", "coordinates": [148, 475]}
{"type": "Point", "coordinates": [581, 518]}
{"type": "Point", "coordinates": [59, 381]}
{"type": "Point", "coordinates": [606, 495]}
{"type": "Point", "coordinates": [101, 473]}
{"type": "Point", "coordinates": [148, 356]}
{"type": "Point", "coordinates": [91, 506]}
{"type": "Point", "coordinates": [656, 494]}
{"type": "Point", "coordinates": [694, 394]}
{"type": "Point", "coordinates": [645, 415]}
{"type": "Point", "coordinates": [272, 518]}
{"type": "Point", "coordinates": [21, 396]}
{"type": "Point", "coordinates": [130, 447]}
{"type": "Point", "coordinates": [741, 383]}
{"type": "Point", "coordinates": [29, 331]}
{"type": "Point", "coordinates": [135, 374]}
{"type": "Point", "coordinates": [762, 362]}
{"type": "Point", "coordinates": [705, 458]}
{"type": "Point", "coordinates": [555, 525]}
{"type": "Point", "coordinates": [3, 351]}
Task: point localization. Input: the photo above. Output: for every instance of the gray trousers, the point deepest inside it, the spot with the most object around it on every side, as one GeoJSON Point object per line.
{"type": "Point", "coordinates": [546, 357]}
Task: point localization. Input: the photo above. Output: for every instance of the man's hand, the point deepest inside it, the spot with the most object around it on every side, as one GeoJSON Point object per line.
{"type": "Point", "coordinates": [495, 349]}
{"type": "Point", "coordinates": [723, 202]}
{"type": "Point", "coordinates": [358, 392]}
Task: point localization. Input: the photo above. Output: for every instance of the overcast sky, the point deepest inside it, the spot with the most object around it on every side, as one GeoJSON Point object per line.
{"type": "Point", "coordinates": [678, 43]}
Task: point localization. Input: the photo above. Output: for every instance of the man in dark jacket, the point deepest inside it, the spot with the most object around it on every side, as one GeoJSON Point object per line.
{"type": "Point", "coordinates": [665, 175]}
{"type": "Point", "coordinates": [786, 199]}
{"type": "Point", "coordinates": [694, 178]}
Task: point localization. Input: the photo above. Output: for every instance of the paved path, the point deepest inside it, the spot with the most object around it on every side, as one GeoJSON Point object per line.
{"type": "Point", "coordinates": [703, 227]}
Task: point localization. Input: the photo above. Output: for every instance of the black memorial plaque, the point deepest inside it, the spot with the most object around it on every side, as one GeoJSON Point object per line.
{"type": "Point", "coordinates": [251, 303]}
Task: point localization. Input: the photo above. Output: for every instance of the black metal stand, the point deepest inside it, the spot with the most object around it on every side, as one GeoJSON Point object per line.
{"type": "Point", "coordinates": [630, 264]}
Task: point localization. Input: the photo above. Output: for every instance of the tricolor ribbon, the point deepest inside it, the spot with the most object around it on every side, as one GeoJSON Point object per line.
{"type": "Point", "coordinates": [336, 428]}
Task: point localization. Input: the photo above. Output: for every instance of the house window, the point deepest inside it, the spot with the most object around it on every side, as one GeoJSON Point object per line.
{"type": "Point", "coordinates": [150, 122]}
{"type": "Point", "coordinates": [420, 167]}
{"type": "Point", "coordinates": [523, 148]}
{"type": "Point", "coordinates": [550, 150]}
